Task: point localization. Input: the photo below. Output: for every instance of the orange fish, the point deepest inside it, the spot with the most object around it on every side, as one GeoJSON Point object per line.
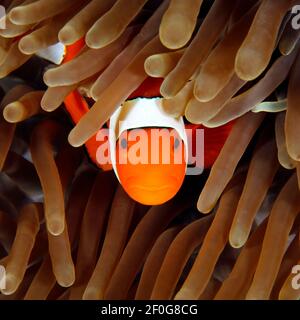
{"type": "Point", "coordinates": [148, 182]}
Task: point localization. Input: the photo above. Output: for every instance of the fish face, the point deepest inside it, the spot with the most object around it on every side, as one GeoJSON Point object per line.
{"type": "Point", "coordinates": [151, 164]}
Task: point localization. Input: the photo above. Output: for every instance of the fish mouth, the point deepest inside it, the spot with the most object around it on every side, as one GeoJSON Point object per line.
{"type": "Point", "coordinates": [133, 184]}
{"type": "Point", "coordinates": [152, 194]}
{"type": "Point", "coordinates": [153, 188]}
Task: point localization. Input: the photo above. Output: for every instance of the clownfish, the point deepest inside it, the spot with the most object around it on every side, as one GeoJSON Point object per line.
{"type": "Point", "coordinates": [142, 118]}
{"type": "Point", "coordinates": [148, 148]}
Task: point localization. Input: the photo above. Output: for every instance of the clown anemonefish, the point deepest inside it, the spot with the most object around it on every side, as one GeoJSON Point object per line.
{"type": "Point", "coordinates": [147, 182]}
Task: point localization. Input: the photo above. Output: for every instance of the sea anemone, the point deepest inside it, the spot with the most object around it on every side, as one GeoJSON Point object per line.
{"type": "Point", "coordinates": [68, 230]}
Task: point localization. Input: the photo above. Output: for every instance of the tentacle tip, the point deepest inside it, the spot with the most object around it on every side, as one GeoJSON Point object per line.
{"type": "Point", "coordinates": [203, 95]}
{"type": "Point", "coordinates": [46, 78]}
{"type": "Point", "coordinates": [74, 142]}
{"type": "Point", "coordinates": [11, 285]}
{"type": "Point", "coordinates": [236, 241]}
{"type": "Point", "coordinates": [3, 73]}
{"type": "Point", "coordinates": [249, 71]}
{"type": "Point", "coordinates": [203, 207]}
{"type": "Point", "coordinates": [67, 277]}
{"type": "Point", "coordinates": [66, 35]}
{"type": "Point", "coordinates": [16, 15]}
{"type": "Point", "coordinates": [187, 115]}
{"type": "Point", "coordinates": [293, 152]}
{"type": "Point", "coordinates": [166, 91]}
{"type": "Point", "coordinates": [96, 42]}
{"type": "Point", "coordinates": [174, 40]}
{"type": "Point", "coordinates": [192, 118]}
{"type": "Point", "coordinates": [56, 227]}
{"type": "Point", "coordinates": [23, 47]}
{"type": "Point", "coordinates": [48, 107]}
{"type": "Point", "coordinates": [296, 157]}
{"type": "Point", "coordinates": [175, 45]}
{"type": "Point", "coordinates": [12, 112]}
{"type": "Point", "coordinates": [151, 66]}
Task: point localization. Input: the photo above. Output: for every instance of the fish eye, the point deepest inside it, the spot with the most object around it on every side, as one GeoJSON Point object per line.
{"type": "Point", "coordinates": [176, 143]}
{"type": "Point", "coordinates": [123, 143]}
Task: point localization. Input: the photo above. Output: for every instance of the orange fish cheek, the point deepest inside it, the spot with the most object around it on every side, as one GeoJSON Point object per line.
{"type": "Point", "coordinates": [151, 184]}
